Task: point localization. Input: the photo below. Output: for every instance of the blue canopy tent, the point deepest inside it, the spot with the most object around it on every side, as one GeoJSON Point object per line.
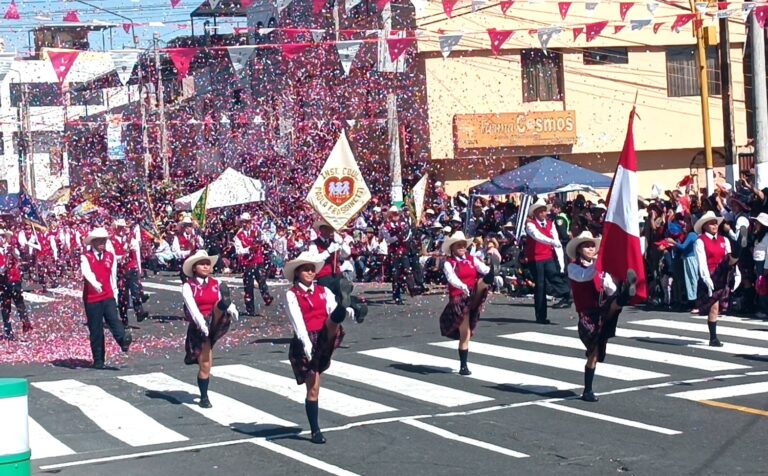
{"type": "Point", "coordinates": [542, 176]}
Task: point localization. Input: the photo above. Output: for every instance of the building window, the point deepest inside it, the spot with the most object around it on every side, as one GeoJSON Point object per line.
{"type": "Point", "coordinates": [606, 56]}
{"type": "Point", "coordinates": [81, 96]}
{"type": "Point", "coordinates": [37, 94]}
{"type": "Point", "coordinates": [542, 75]}
{"type": "Point", "coordinates": [683, 73]}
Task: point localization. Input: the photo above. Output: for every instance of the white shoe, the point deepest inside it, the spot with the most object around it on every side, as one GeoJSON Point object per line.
{"type": "Point", "coordinates": [350, 313]}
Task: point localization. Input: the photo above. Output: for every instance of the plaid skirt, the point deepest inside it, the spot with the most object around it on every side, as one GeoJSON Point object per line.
{"type": "Point", "coordinates": [721, 278]}
{"type": "Point", "coordinates": [322, 351]}
{"type": "Point", "coordinates": [596, 327]}
{"type": "Point", "coordinates": [195, 338]}
{"type": "Point", "coordinates": [458, 309]}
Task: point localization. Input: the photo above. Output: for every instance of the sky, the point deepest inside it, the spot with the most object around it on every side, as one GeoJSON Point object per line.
{"type": "Point", "coordinates": [34, 13]}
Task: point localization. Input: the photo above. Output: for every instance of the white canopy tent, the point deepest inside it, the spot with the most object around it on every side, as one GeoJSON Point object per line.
{"type": "Point", "coordinates": [230, 188]}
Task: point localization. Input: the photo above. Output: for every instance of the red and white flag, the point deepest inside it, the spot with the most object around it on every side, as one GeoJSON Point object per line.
{"type": "Point", "coordinates": [620, 247]}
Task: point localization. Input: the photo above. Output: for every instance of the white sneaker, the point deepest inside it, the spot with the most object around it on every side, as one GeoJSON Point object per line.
{"type": "Point", "coordinates": [350, 313]}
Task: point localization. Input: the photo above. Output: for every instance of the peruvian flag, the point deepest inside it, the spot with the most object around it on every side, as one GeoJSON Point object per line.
{"type": "Point", "coordinates": [620, 248]}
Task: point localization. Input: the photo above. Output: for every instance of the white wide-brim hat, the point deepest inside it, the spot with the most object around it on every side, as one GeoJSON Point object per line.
{"type": "Point", "coordinates": [120, 222]}
{"type": "Point", "coordinates": [95, 234]}
{"type": "Point", "coordinates": [393, 209]}
{"type": "Point", "coordinates": [705, 218]}
{"type": "Point", "coordinates": [584, 237]}
{"type": "Point", "coordinates": [762, 218]}
{"type": "Point", "coordinates": [187, 220]}
{"type": "Point", "coordinates": [200, 255]}
{"type": "Point", "coordinates": [540, 203]}
{"type": "Point", "coordinates": [245, 216]}
{"type": "Point", "coordinates": [457, 237]}
{"type": "Point", "coordinates": [305, 257]}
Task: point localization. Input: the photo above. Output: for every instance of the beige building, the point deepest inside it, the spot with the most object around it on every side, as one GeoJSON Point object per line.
{"type": "Point", "coordinates": [490, 113]}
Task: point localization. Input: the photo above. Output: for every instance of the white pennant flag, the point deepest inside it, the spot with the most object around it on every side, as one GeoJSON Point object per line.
{"type": "Point", "coordinates": [282, 5]}
{"type": "Point", "coordinates": [546, 34]}
{"type": "Point", "coordinates": [214, 3]}
{"type": "Point", "coordinates": [124, 61]}
{"type": "Point", "coordinates": [347, 51]}
{"type": "Point", "coordinates": [590, 7]}
{"type": "Point", "coordinates": [448, 43]}
{"type": "Point", "coordinates": [746, 9]}
{"type": "Point", "coordinates": [419, 193]}
{"type": "Point", "coordinates": [701, 7]}
{"type": "Point", "coordinates": [351, 122]}
{"type": "Point", "coordinates": [723, 14]}
{"type": "Point", "coordinates": [340, 191]}
{"type": "Point", "coordinates": [317, 35]}
{"type": "Point", "coordinates": [652, 5]}
{"type": "Point", "coordinates": [351, 4]}
{"type": "Point", "coordinates": [419, 6]}
{"type": "Point", "coordinates": [478, 4]}
{"type": "Point", "coordinates": [239, 56]}
{"type": "Point", "coordinates": [6, 60]}
{"type": "Point", "coordinates": [637, 25]}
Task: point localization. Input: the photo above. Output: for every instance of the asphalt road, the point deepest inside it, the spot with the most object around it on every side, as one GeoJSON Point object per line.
{"type": "Point", "coordinates": [393, 403]}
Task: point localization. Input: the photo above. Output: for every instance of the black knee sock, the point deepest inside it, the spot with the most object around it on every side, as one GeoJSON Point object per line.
{"type": "Point", "coordinates": [202, 384]}
{"type": "Point", "coordinates": [712, 330]}
{"type": "Point", "coordinates": [312, 412]}
{"type": "Point", "coordinates": [463, 357]}
{"type": "Point", "coordinates": [589, 376]}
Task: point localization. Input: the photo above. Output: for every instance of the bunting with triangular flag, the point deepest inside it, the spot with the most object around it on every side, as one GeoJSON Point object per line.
{"type": "Point", "coordinates": [182, 59]}
{"type": "Point", "coordinates": [624, 8]}
{"type": "Point", "coordinates": [6, 61]}
{"type": "Point", "coordinates": [127, 27]}
{"type": "Point", "coordinates": [397, 46]}
{"type": "Point", "coordinates": [506, 5]}
{"type": "Point", "coordinates": [62, 62]}
{"type": "Point", "coordinates": [347, 50]}
{"type": "Point", "coordinates": [448, 43]}
{"type": "Point", "coordinates": [657, 26]}
{"type": "Point", "coordinates": [637, 25]}
{"type": "Point", "coordinates": [317, 6]}
{"type": "Point", "coordinates": [564, 7]}
{"type": "Point", "coordinates": [652, 5]}
{"type": "Point", "coordinates": [681, 21]}
{"type": "Point", "coordinates": [380, 4]}
{"type": "Point", "coordinates": [175, 3]}
{"type": "Point", "coordinates": [761, 13]}
{"type": "Point", "coordinates": [124, 61]}
{"type": "Point", "coordinates": [71, 17]}
{"type": "Point", "coordinates": [577, 31]}
{"type": "Point", "coordinates": [478, 4]}
{"type": "Point", "coordinates": [498, 38]}
{"type": "Point", "coordinates": [239, 56]}
{"type": "Point", "coordinates": [292, 50]}
{"type": "Point", "coordinates": [546, 34]}
{"type": "Point", "coordinates": [12, 13]}
{"type": "Point", "coordinates": [593, 30]}
{"type": "Point", "coordinates": [350, 4]}
{"type": "Point", "coordinates": [448, 7]}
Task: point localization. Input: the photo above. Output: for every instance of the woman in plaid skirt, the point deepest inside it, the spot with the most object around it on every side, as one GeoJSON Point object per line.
{"type": "Point", "coordinates": [315, 335]}
{"type": "Point", "coordinates": [209, 310]}
{"type": "Point", "coordinates": [466, 294]}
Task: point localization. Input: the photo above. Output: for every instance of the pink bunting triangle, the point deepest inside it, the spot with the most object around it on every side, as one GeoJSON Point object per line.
{"type": "Point", "coordinates": [175, 3]}
{"type": "Point", "coordinates": [182, 59]}
{"type": "Point", "coordinates": [593, 30]}
{"type": "Point", "coordinates": [681, 21]}
{"type": "Point", "coordinates": [722, 5]}
{"type": "Point", "coordinates": [564, 7]}
{"type": "Point", "coordinates": [657, 26]}
{"type": "Point", "coordinates": [624, 7]}
{"type": "Point", "coordinates": [293, 50]}
{"type": "Point", "coordinates": [617, 29]}
{"type": "Point", "coordinates": [498, 38]}
{"type": "Point", "coordinates": [506, 5]}
{"type": "Point", "coordinates": [71, 17]}
{"type": "Point", "coordinates": [577, 32]}
{"type": "Point", "coordinates": [380, 4]}
{"type": "Point", "coordinates": [448, 7]}
{"type": "Point", "coordinates": [761, 13]}
{"type": "Point", "coordinates": [317, 6]}
{"type": "Point", "coordinates": [127, 27]}
{"type": "Point", "coordinates": [62, 62]}
{"type": "Point", "coordinates": [13, 12]}
{"type": "Point", "coordinates": [246, 4]}
{"type": "Point", "coordinates": [397, 47]}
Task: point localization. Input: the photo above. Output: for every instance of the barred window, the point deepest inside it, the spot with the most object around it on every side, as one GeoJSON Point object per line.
{"type": "Point", "coordinates": [683, 73]}
{"type": "Point", "coordinates": [542, 75]}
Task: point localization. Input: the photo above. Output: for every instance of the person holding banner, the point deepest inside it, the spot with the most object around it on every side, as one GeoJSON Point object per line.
{"type": "Point", "coordinates": [10, 286]}
{"type": "Point", "coordinates": [598, 311]}
{"type": "Point", "coordinates": [466, 294]}
{"type": "Point", "coordinates": [127, 252]}
{"type": "Point", "coordinates": [316, 317]}
{"type": "Point", "coordinates": [396, 233]}
{"type": "Point", "coordinates": [250, 252]}
{"type": "Point", "coordinates": [186, 242]}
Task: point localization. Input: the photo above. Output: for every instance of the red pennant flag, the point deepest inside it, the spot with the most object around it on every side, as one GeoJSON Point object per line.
{"type": "Point", "coordinates": [175, 3]}
{"type": "Point", "coordinates": [240, 30]}
{"type": "Point", "coordinates": [620, 247]}
{"type": "Point", "coordinates": [397, 47]}
{"type": "Point", "coordinates": [506, 5]}
{"type": "Point", "coordinates": [698, 23]}
{"type": "Point", "coordinates": [624, 8]}
{"type": "Point", "coordinates": [448, 7]}
{"type": "Point", "coordinates": [617, 28]}
{"type": "Point", "coordinates": [722, 5]}
{"type": "Point", "coordinates": [247, 3]}
{"type": "Point", "coordinates": [682, 20]}
{"type": "Point", "coordinates": [594, 29]}
{"type": "Point", "coordinates": [62, 62]}
{"type": "Point", "coordinates": [317, 6]}
{"type": "Point", "coordinates": [577, 32]}
{"type": "Point", "coordinates": [533, 32]}
{"type": "Point", "coordinates": [761, 13]}
{"type": "Point", "coordinates": [564, 7]}
{"type": "Point", "coordinates": [12, 13]}
{"type": "Point", "coordinates": [127, 27]}
{"type": "Point", "coordinates": [498, 38]}
{"type": "Point", "coordinates": [182, 59]}
{"type": "Point", "coordinates": [295, 35]}
{"type": "Point", "coordinates": [293, 50]}
{"type": "Point", "coordinates": [656, 27]}
{"type": "Point", "coordinates": [71, 17]}
{"type": "Point", "coordinates": [380, 4]}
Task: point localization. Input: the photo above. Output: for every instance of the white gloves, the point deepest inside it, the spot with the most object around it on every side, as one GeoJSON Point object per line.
{"type": "Point", "coordinates": [466, 290]}
{"type": "Point", "coordinates": [557, 244]}
{"type": "Point", "coordinates": [334, 247]}
{"type": "Point", "coordinates": [232, 311]}
{"type": "Point", "coordinates": [709, 284]}
{"type": "Point", "coordinates": [98, 288]}
{"type": "Point", "coordinates": [307, 348]}
{"type": "Point", "coordinates": [203, 328]}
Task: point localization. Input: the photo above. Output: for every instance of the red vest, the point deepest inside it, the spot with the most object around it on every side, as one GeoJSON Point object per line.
{"type": "Point", "coordinates": [465, 270]}
{"type": "Point", "coordinates": [536, 251]}
{"type": "Point", "coordinates": [585, 296]}
{"type": "Point", "coordinates": [313, 307]}
{"type": "Point", "coordinates": [397, 230]}
{"type": "Point", "coordinates": [103, 271]}
{"type": "Point", "coordinates": [331, 266]}
{"type": "Point", "coordinates": [250, 241]}
{"type": "Point", "coordinates": [187, 244]}
{"type": "Point", "coordinates": [46, 250]}
{"type": "Point", "coordinates": [715, 251]}
{"type": "Point", "coordinates": [206, 296]}
{"type": "Point", "coordinates": [122, 245]}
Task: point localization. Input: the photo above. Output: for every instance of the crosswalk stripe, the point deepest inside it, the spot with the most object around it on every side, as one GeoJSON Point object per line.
{"type": "Point", "coordinates": [113, 415]}
{"type": "Point", "coordinates": [702, 328]}
{"type": "Point", "coordinates": [332, 400]}
{"type": "Point", "coordinates": [43, 444]}
{"type": "Point", "coordinates": [164, 287]}
{"type": "Point", "coordinates": [723, 392]}
{"type": "Point", "coordinates": [620, 350]}
{"type": "Point", "coordinates": [409, 387]}
{"type": "Point", "coordinates": [303, 458]}
{"type": "Point", "coordinates": [618, 372]}
{"type": "Point", "coordinates": [532, 383]}
{"type": "Point", "coordinates": [226, 411]}
{"type": "Point", "coordinates": [600, 416]}
{"type": "Point", "coordinates": [734, 319]}
{"type": "Point", "coordinates": [463, 439]}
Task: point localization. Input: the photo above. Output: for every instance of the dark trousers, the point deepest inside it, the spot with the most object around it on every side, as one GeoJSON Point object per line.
{"type": "Point", "coordinates": [546, 273]}
{"type": "Point", "coordinates": [402, 276]}
{"type": "Point", "coordinates": [98, 313]}
{"type": "Point", "coordinates": [251, 275]}
{"type": "Point", "coordinates": [333, 284]}
{"type": "Point", "coordinates": [128, 287]}
{"type": "Point", "coordinates": [12, 293]}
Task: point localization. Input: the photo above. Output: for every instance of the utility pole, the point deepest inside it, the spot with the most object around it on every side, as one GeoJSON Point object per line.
{"type": "Point", "coordinates": [701, 53]}
{"type": "Point", "coordinates": [161, 109]}
{"type": "Point", "coordinates": [395, 168]}
{"type": "Point", "coordinates": [729, 133]}
{"type": "Point", "coordinates": [29, 146]}
{"type": "Point", "coordinates": [757, 44]}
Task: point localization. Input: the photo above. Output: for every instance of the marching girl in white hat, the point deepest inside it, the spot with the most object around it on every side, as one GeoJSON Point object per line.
{"type": "Point", "coordinates": [208, 308]}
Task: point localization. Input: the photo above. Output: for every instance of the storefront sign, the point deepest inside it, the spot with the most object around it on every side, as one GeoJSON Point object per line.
{"type": "Point", "coordinates": [514, 129]}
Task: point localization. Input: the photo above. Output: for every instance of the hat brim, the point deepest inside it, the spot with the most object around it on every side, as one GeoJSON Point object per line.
{"type": "Point", "coordinates": [89, 239]}
{"type": "Point", "coordinates": [289, 271]}
{"type": "Point", "coordinates": [763, 222]}
{"type": "Point", "coordinates": [704, 220]}
{"type": "Point", "coordinates": [535, 207]}
{"type": "Point", "coordinates": [448, 243]}
{"type": "Point", "coordinates": [189, 265]}
{"type": "Point", "coordinates": [573, 245]}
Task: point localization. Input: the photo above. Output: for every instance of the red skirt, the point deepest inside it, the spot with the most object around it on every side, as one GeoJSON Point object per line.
{"type": "Point", "coordinates": [460, 308]}
{"type": "Point", "coordinates": [322, 351]}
